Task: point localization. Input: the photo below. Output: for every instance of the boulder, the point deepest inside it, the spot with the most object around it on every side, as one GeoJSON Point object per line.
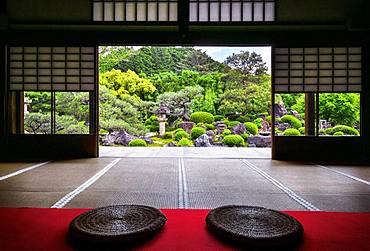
{"type": "Point", "coordinates": [296, 114]}
{"type": "Point", "coordinates": [187, 126]}
{"type": "Point", "coordinates": [251, 145]}
{"type": "Point", "coordinates": [123, 138]}
{"type": "Point", "coordinates": [259, 141]}
{"type": "Point", "coordinates": [283, 126]}
{"type": "Point", "coordinates": [280, 110]}
{"type": "Point", "coordinates": [108, 140]}
{"type": "Point", "coordinates": [148, 140]}
{"type": "Point", "coordinates": [171, 144]}
{"type": "Point", "coordinates": [239, 129]}
{"type": "Point", "coordinates": [203, 141]}
{"type": "Point", "coordinates": [220, 126]}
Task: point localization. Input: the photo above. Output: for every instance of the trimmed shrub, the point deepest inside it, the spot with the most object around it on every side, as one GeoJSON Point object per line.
{"type": "Point", "coordinates": [226, 132]}
{"type": "Point", "coordinates": [210, 126]}
{"type": "Point", "coordinates": [185, 142]}
{"type": "Point", "coordinates": [197, 131]}
{"type": "Point", "coordinates": [329, 131]}
{"type": "Point", "coordinates": [233, 123]}
{"type": "Point", "coordinates": [233, 140]}
{"type": "Point", "coordinates": [137, 142]}
{"type": "Point", "coordinates": [258, 122]}
{"type": "Point", "coordinates": [322, 132]}
{"type": "Point", "coordinates": [301, 130]}
{"type": "Point", "coordinates": [268, 119]}
{"type": "Point", "coordinates": [167, 135]}
{"type": "Point", "coordinates": [347, 130]}
{"type": "Point", "coordinates": [181, 134]}
{"type": "Point", "coordinates": [291, 120]}
{"type": "Point", "coordinates": [178, 130]}
{"type": "Point", "coordinates": [291, 132]}
{"type": "Point", "coordinates": [219, 117]}
{"type": "Point", "coordinates": [243, 119]}
{"type": "Point", "coordinates": [204, 117]}
{"type": "Point", "coordinates": [338, 134]}
{"type": "Point", "coordinates": [251, 128]}
{"type": "Point", "coordinates": [153, 128]}
{"type": "Point", "coordinates": [245, 136]}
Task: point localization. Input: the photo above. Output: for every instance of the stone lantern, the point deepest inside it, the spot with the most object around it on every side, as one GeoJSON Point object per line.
{"type": "Point", "coordinates": [161, 113]}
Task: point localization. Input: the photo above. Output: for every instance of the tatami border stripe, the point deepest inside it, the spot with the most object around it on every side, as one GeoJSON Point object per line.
{"type": "Point", "coordinates": [66, 199]}
{"type": "Point", "coordinates": [23, 171]}
{"type": "Point", "coordinates": [345, 174]}
{"type": "Point", "coordinates": [282, 187]}
{"type": "Point", "coordinates": [183, 188]}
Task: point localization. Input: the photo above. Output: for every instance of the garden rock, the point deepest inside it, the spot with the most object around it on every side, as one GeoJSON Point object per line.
{"type": "Point", "coordinates": [203, 141]}
{"type": "Point", "coordinates": [251, 145]}
{"type": "Point", "coordinates": [123, 138]}
{"type": "Point", "coordinates": [296, 114]}
{"type": "Point", "coordinates": [108, 140]}
{"type": "Point", "coordinates": [171, 144]}
{"type": "Point", "coordinates": [283, 126]}
{"type": "Point", "coordinates": [280, 110]}
{"type": "Point", "coordinates": [187, 126]}
{"type": "Point", "coordinates": [221, 126]}
{"type": "Point", "coordinates": [239, 129]}
{"type": "Point", "coordinates": [259, 141]}
{"type": "Point", "coordinates": [210, 133]}
{"type": "Point", "coordinates": [148, 140]}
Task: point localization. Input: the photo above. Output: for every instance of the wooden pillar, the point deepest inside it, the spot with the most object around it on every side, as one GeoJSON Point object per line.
{"type": "Point", "coordinates": [310, 114]}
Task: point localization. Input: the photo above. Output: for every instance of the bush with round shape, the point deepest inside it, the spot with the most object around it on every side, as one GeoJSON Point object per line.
{"type": "Point", "coordinates": [233, 140]}
{"type": "Point", "coordinates": [197, 132]}
{"type": "Point", "coordinates": [322, 132]}
{"type": "Point", "coordinates": [301, 130]}
{"type": "Point", "coordinates": [338, 134]}
{"type": "Point", "coordinates": [291, 132]}
{"type": "Point", "coordinates": [347, 130]}
{"type": "Point", "coordinates": [251, 128]}
{"type": "Point", "coordinates": [210, 126]}
{"type": "Point", "coordinates": [178, 130]}
{"type": "Point", "coordinates": [202, 117]}
{"type": "Point", "coordinates": [291, 120]}
{"type": "Point", "coordinates": [226, 132]}
{"type": "Point", "coordinates": [245, 136]}
{"type": "Point", "coordinates": [181, 134]}
{"type": "Point", "coordinates": [233, 123]}
{"type": "Point", "coordinates": [243, 119]}
{"type": "Point", "coordinates": [329, 131]}
{"type": "Point", "coordinates": [184, 142]}
{"type": "Point", "coordinates": [137, 142]}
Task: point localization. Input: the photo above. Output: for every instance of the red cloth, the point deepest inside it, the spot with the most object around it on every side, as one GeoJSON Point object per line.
{"type": "Point", "coordinates": [45, 229]}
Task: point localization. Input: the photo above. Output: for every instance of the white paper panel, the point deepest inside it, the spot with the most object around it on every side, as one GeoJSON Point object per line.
{"type": "Point", "coordinates": [44, 67]}
{"type": "Point", "coordinates": [203, 12]}
{"type": "Point", "coordinates": [269, 11]}
{"type": "Point", "coordinates": [130, 12]}
{"type": "Point", "coordinates": [163, 12]}
{"type": "Point", "coordinates": [236, 12]}
{"type": "Point", "coordinates": [152, 11]}
{"type": "Point", "coordinates": [119, 11]}
{"type": "Point", "coordinates": [337, 69]}
{"type": "Point", "coordinates": [193, 12]}
{"type": "Point", "coordinates": [98, 11]}
{"type": "Point", "coordinates": [214, 9]}
{"type": "Point", "coordinates": [141, 11]}
{"type": "Point", "coordinates": [173, 12]}
{"type": "Point", "coordinates": [258, 11]}
{"type": "Point", "coordinates": [225, 12]}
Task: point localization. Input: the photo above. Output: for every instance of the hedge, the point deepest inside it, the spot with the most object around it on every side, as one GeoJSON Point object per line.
{"type": "Point", "coordinates": [197, 131]}
{"type": "Point", "coordinates": [181, 134]}
{"type": "Point", "coordinates": [204, 117]}
{"type": "Point", "coordinates": [291, 132]}
{"type": "Point", "coordinates": [137, 142]}
{"type": "Point", "coordinates": [347, 130]}
{"type": "Point", "coordinates": [185, 142]}
{"type": "Point", "coordinates": [291, 120]}
{"type": "Point", "coordinates": [251, 128]}
{"type": "Point", "coordinates": [226, 132]}
{"type": "Point", "coordinates": [233, 140]}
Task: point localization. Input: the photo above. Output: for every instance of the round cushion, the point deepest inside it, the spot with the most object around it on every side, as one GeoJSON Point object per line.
{"type": "Point", "coordinates": [254, 226]}
{"type": "Point", "coordinates": [123, 224]}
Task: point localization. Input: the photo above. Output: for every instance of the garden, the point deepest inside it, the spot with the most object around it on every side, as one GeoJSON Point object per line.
{"type": "Point", "coordinates": [181, 96]}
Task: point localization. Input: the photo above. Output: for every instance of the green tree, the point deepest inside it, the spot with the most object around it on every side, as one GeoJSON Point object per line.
{"type": "Point", "coordinates": [127, 83]}
{"type": "Point", "coordinates": [233, 101]}
{"type": "Point", "coordinates": [246, 62]}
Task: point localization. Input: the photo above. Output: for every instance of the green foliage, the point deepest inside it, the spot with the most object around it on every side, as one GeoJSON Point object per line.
{"type": "Point", "coordinates": [226, 132]}
{"type": "Point", "coordinates": [210, 126]}
{"type": "Point", "coordinates": [181, 134]}
{"type": "Point", "coordinates": [167, 135]}
{"type": "Point", "coordinates": [338, 134]}
{"type": "Point", "coordinates": [38, 102]}
{"type": "Point", "coordinates": [233, 123]}
{"type": "Point", "coordinates": [219, 117]}
{"type": "Point", "coordinates": [291, 120]}
{"type": "Point", "coordinates": [203, 117]}
{"type": "Point", "coordinates": [137, 142]}
{"type": "Point", "coordinates": [197, 131]}
{"type": "Point", "coordinates": [122, 84]}
{"type": "Point", "coordinates": [244, 119]}
{"type": "Point", "coordinates": [347, 130]}
{"type": "Point", "coordinates": [233, 101]}
{"type": "Point", "coordinates": [247, 63]}
{"type": "Point", "coordinates": [233, 140]}
{"type": "Point", "coordinates": [251, 128]}
{"type": "Point", "coordinates": [301, 130]}
{"type": "Point", "coordinates": [329, 131]}
{"type": "Point", "coordinates": [258, 122]}
{"type": "Point", "coordinates": [245, 136]}
{"type": "Point", "coordinates": [37, 123]}
{"type": "Point", "coordinates": [185, 142]}
{"type": "Point", "coordinates": [291, 132]}
{"type": "Point", "coordinates": [178, 130]}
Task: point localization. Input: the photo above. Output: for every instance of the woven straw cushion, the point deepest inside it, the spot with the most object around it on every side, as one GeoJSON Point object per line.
{"type": "Point", "coordinates": [120, 224]}
{"type": "Point", "coordinates": [254, 226]}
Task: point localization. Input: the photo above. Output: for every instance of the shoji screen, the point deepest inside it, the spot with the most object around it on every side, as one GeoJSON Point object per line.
{"type": "Point", "coordinates": [135, 10]}
{"type": "Point", "coordinates": [232, 10]}
{"type": "Point", "coordinates": [52, 68]}
{"type": "Point", "coordinates": [326, 69]}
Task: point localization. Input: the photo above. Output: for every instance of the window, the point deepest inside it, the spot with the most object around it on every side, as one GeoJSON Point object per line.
{"type": "Point", "coordinates": [317, 91]}
{"type": "Point", "coordinates": [232, 10]}
{"type": "Point", "coordinates": [135, 10]}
